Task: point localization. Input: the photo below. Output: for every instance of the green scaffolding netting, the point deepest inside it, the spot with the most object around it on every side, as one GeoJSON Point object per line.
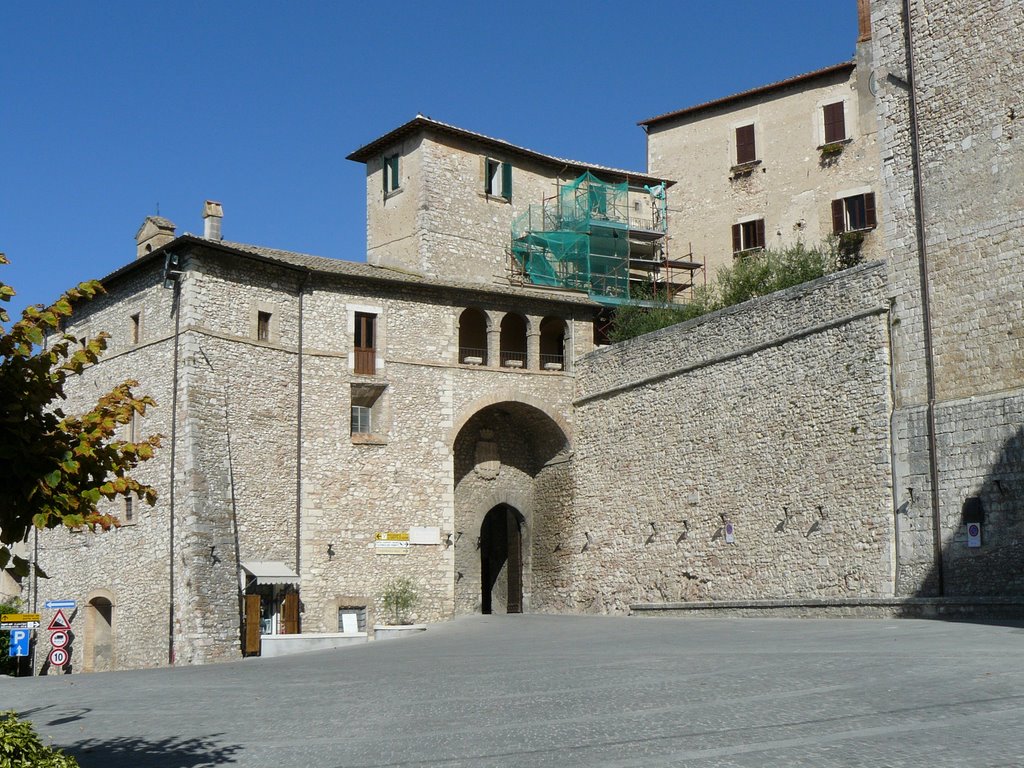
{"type": "Point", "coordinates": [578, 240]}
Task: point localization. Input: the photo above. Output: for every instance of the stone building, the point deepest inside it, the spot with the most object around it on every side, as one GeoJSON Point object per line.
{"type": "Point", "coordinates": [444, 411]}
{"type": "Point", "coordinates": [792, 161]}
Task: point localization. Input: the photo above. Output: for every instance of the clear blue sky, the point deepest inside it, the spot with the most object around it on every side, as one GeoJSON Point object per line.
{"type": "Point", "coordinates": [109, 109]}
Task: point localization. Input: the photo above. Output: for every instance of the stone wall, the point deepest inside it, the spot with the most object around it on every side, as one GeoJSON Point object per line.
{"type": "Point", "coordinates": [772, 416]}
{"type": "Point", "coordinates": [966, 69]}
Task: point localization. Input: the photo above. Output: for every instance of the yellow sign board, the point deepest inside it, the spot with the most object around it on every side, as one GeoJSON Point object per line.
{"type": "Point", "coordinates": [18, 618]}
{"type": "Point", "coordinates": [392, 536]}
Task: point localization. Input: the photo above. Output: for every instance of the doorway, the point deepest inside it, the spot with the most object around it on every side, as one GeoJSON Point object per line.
{"type": "Point", "coordinates": [99, 635]}
{"type": "Point", "coordinates": [501, 561]}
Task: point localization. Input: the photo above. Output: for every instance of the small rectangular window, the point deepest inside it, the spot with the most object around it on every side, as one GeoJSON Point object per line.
{"type": "Point", "coordinates": [368, 414]}
{"type": "Point", "coordinates": [362, 420]}
{"type": "Point", "coordinates": [748, 235]}
{"type": "Point", "coordinates": [263, 326]}
{"type": "Point", "coordinates": [853, 213]}
{"type": "Point", "coordinates": [746, 152]}
{"type": "Point", "coordinates": [129, 510]}
{"type": "Point", "coordinates": [498, 179]}
{"type": "Point", "coordinates": [835, 122]}
{"type": "Point", "coordinates": [392, 180]}
{"type": "Point", "coordinates": [352, 618]}
{"type": "Point", "coordinates": [136, 328]}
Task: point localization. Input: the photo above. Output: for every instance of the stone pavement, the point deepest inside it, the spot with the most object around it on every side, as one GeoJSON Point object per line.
{"type": "Point", "coordinates": [569, 691]}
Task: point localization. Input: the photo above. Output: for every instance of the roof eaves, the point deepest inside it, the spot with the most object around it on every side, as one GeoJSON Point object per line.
{"type": "Point", "coordinates": [420, 122]}
{"type": "Point", "coordinates": [759, 90]}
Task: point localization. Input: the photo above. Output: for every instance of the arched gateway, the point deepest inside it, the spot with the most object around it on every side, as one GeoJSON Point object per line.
{"type": "Point", "coordinates": [512, 494]}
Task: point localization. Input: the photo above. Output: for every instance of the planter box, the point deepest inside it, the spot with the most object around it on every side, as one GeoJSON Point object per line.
{"type": "Point", "coordinates": [396, 631]}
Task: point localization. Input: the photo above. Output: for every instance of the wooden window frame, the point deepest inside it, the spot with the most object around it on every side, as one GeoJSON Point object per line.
{"type": "Point", "coordinates": [842, 213]}
{"type": "Point", "coordinates": [497, 179]}
{"type": "Point", "coordinates": [391, 171]}
{"type": "Point", "coordinates": [746, 144]}
{"type": "Point", "coordinates": [748, 236]}
{"type": "Point", "coordinates": [834, 121]}
{"type": "Point", "coordinates": [263, 320]}
{"type": "Point", "coordinates": [364, 340]}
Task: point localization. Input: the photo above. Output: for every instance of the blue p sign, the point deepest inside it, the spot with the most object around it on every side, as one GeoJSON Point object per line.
{"type": "Point", "coordinates": [19, 642]}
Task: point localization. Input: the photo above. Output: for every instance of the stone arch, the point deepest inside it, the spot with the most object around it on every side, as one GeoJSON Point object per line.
{"type": "Point", "coordinates": [509, 396]}
{"type": "Point", "coordinates": [513, 456]}
{"type": "Point", "coordinates": [100, 652]}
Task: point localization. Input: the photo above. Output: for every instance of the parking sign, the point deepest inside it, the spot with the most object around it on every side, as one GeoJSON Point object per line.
{"type": "Point", "coordinates": [19, 642]}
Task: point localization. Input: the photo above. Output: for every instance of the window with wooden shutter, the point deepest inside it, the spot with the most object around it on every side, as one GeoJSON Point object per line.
{"type": "Point", "coordinates": [835, 122]}
{"type": "Point", "coordinates": [506, 181]}
{"type": "Point", "coordinates": [748, 235]}
{"type": "Point", "coordinates": [392, 181]}
{"type": "Point", "coordinates": [746, 152]}
{"type": "Point", "coordinates": [853, 213]}
{"type": "Point", "coordinates": [365, 351]}
{"type": "Point", "coordinates": [498, 179]}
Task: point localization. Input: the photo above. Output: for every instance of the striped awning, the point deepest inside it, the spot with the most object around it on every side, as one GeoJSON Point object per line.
{"type": "Point", "coordinates": [270, 572]}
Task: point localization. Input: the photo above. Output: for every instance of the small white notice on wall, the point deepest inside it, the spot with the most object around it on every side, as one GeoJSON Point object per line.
{"type": "Point", "coordinates": [427, 535]}
{"type": "Point", "coordinates": [730, 534]}
{"type": "Point", "coordinates": [974, 535]}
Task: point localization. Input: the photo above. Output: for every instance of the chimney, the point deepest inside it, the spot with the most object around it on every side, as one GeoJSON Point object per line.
{"type": "Point", "coordinates": [155, 232]}
{"type": "Point", "coordinates": [863, 20]}
{"type": "Point", "coordinates": [213, 212]}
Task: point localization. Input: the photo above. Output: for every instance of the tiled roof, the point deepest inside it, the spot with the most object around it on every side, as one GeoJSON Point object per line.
{"type": "Point", "coordinates": [352, 269]}
{"type": "Point", "coordinates": [420, 123]}
{"type": "Point", "coordinates": [761, 89]}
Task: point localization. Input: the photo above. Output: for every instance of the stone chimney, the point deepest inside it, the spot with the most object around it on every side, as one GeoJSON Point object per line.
{"type": "Point", "coordinates": [863, 20]}
{"type": "Point", "coordinates": [213, 213]}
{"type": "Point", "coordinates": [155, 232]}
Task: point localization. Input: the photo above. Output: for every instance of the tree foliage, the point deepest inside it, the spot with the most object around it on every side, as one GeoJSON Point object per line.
{"type": "Point", "coordinates": [21, 747]}
{"type": "Point", "coordinates": [751, 276]}
{"type": "Point", "coordinates": [57, 468]}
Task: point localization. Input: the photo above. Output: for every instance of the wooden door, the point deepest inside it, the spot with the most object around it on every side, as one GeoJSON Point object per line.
{"type": "Point", "coordinates": [290, 614]}
{"type": "Point", "coordinates": [252, 625]}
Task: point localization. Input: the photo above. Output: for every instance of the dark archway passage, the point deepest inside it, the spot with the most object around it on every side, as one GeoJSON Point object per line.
{"type": "Point", "coordinates": [512, 497]}
{"type": "Point", "coordinates": [501, 561]}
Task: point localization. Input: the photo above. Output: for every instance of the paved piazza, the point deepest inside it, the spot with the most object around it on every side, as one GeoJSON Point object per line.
{"type": "Point", "coordinates": [569, 691]}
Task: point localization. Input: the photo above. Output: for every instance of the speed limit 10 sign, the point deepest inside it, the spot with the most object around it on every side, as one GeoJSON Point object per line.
{"type": "Point", "coordinates": [58, 657]}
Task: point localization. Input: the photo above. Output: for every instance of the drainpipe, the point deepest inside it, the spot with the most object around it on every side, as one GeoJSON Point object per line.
{"type": "Point", "coordinates": [298, 434]}
{"type": "Point", "coordinates": [176, 305]}
{"type": "Point", "coordinates": [922, 255]}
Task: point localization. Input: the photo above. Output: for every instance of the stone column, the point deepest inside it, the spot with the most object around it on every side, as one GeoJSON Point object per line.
{"type": "Point", "coordinates": [533, 343]}
{"type": "Point", "coordinates": [494, 346]}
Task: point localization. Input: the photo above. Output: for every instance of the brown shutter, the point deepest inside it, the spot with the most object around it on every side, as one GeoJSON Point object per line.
{"type": "Point", "coordinates": [835, 123]}
{"type": "Point", "coordinates": [838, 220]}
{"type": "Point", "coordinates": [758, 234]}
{"type": "Point", "coordinates": [870, 217]}
{"type": "Point", "coordinates": [364, 348]}
{"type": "Point", "coordinates": [745, 150]}
{"type": "Point", "coordinates": [290, 613]}
{"type": "Point", "coordinates": [252, 625]}
{"type": "Point", "coordinates": [737, 243]}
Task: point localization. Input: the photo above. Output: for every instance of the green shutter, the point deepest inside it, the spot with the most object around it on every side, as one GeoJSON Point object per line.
{"type": "Point", "coordinates": [506, 181]}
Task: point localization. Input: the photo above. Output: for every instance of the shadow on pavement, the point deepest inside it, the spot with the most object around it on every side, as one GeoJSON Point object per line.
{"type": "Point", "coordinates": [172, 752]}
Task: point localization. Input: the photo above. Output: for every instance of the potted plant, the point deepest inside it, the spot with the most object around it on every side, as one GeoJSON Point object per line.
{"type": "Point", "coordinates": [398, 598]}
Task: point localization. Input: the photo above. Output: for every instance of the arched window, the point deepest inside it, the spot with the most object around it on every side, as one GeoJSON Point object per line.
{"type": "Point", "coordinates": [552, 344]}
{"type": "Point", "coordinates": [513, 341]}
{"type": "Point", "coordinates": [473, 337]}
